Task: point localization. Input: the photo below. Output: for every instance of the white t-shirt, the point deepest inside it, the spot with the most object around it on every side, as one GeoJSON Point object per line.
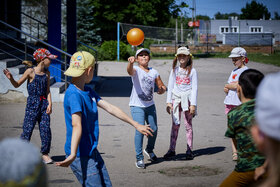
{"type": "Point", "coordinates": [180, 82]}
{"type": "Point", "coordinates": [143, 87]}
{"type": "Point", "coordinates": [232, 97]}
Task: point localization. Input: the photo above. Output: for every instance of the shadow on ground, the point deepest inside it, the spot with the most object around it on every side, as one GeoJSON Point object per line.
{"type": "Point", "coordinates": [114, 86]}
{"type": "Point", "coordinates": [197, 153]}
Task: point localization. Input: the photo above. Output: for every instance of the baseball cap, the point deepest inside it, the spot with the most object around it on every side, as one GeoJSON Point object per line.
{"type": "Point", "coordinates": [42, 53]}
{"type": "Point", "coordinates": [267, 109]}
{"type": "Point", "coordinates": [79, 62]}
{"type": "Point", "coordinates": [183, 50]}
{"type": "Point", "coordinates": [238, 52]}
{"type": "Point", "coordinates": [141, 50]}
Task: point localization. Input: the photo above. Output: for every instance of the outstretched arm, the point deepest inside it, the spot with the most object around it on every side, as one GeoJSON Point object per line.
{"type": "Point", "coordinates": [117, 112]}
{"type": "Point", "coordinates": [23, 78]}
{"type": "Point", "coordinates": [76, 137]}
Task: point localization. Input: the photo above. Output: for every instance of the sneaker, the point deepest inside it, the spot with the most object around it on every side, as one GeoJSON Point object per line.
{"type": "Point", "coordinates": [140, 164]}
{"type": "Point", "coordinates": [189, 155]}
{"type": "Point", "coordinates": [169, 154]}
{"type": "Point", "coordinates": [151, 155]}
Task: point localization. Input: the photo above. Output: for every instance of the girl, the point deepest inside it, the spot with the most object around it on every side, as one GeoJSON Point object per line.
{"type": "Point", "coordinates": [181, 97]}
{"type": "Point", "coordinates": [239, 59]}
{"type": "Point", "coordinates": [141, 103]}
{"type": "Point", "coordinates": [39, 104]}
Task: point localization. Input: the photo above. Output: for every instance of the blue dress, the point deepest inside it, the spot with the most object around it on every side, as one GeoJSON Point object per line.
{"type": "Point", "coordinates": [35, 111]}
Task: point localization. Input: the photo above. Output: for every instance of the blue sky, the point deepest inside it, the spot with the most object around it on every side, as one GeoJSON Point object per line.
{"type": "Point", "coordinates": [211, 7]}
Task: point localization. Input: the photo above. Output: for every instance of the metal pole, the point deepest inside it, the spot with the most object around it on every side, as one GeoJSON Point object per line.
{"type": "Point", "coordinates": [118, 37]}
{"type": "Point", "coordinates": [176, 36]}
{"type": "Point", "coordinates": [182, 40]}
{"type": "Point", "coordinates": [65, 68]}
{"type": "Point", "coordinates": [25, 49]}
{"type": "Point", "coordinates": [238, 33]}
{"type": "Point", "coordinates": [38, 28]}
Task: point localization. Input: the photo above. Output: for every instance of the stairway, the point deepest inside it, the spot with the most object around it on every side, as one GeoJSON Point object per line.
{"type": "Point", "coordinates": [17, 69]}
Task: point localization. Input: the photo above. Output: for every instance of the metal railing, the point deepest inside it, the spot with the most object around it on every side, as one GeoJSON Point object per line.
{"type": "Point", "coordinates": [63, 34]}
{"type": "Point", "coordinates": [26, 46]}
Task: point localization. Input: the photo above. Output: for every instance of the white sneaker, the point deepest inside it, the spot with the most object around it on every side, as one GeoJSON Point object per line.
{"type": "Point", "coordinates": [140, 164]}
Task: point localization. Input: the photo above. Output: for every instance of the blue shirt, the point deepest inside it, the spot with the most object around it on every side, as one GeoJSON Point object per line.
{"type": "Point", "coordinates": [76, 100]}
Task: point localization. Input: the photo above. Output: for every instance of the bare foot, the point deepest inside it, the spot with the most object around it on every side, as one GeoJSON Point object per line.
{"type": "Point", "coordinates": [47, 159]}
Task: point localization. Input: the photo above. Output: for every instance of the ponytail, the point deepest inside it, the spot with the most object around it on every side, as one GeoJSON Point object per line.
{"type": "Point", "coordinates": [174, 63]}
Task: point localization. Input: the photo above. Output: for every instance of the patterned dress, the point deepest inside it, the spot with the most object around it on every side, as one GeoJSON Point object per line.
{"type": "Point", "coordinates": [35, 111]}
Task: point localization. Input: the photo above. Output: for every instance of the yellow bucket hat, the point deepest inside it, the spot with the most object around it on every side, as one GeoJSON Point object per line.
{"type": "Point", "coordinates": [79, 62]}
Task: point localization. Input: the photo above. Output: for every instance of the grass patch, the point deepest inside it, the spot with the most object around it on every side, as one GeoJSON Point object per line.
{"type": "Point", "coordinates": [273, 59]}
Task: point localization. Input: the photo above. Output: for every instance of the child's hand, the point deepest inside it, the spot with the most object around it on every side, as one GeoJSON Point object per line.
{"type": "Point", "coordinates": [169, 108]}
{"type": "Point", "coordinates": [66, 162]}
{"type": "Point", "coordinates": [259, 172]}
{"type": "Point", "coordinates": [161, 90]}
{"type": "Point", "coordinates": [226, 90]}
{"type": "Point", "coordinates": [7, 73]}
{"type": "Point", "coordinates": [131, 59]}
{"type": "Point", "coordinates": [144, 129]}
{"type": "Point", "coordinates": [192, 110]}
{"type": "Point", "coordinates": [49, 109]}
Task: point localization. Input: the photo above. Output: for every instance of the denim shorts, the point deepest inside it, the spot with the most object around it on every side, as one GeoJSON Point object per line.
{"type": "Point", "coordinates": [91, 171]}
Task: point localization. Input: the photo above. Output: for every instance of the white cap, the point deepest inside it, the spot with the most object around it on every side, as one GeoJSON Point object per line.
{"type": "Point", "coordinates": [267, 108]}
{"type": "Point", "coordinates": [142, 49]}
{"type": "Point", "coordinates": [238, 52]}
{"type": "Point", "coordinates": [183, 50]}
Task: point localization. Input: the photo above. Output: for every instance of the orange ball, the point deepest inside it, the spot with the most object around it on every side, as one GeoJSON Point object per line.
{"type": "Point", "coordinates": [135, 36]}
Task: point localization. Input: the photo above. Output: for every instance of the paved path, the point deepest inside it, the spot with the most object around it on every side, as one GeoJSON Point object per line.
{"type": "Point", "coordinates": [212, 163]}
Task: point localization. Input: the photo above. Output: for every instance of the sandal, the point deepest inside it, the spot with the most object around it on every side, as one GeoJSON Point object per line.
{"type": "Point", "coordinates": [234, 156]}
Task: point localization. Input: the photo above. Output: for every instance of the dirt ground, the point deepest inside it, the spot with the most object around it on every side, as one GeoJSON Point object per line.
{"type": "Point", "coordinates": [213, 161]}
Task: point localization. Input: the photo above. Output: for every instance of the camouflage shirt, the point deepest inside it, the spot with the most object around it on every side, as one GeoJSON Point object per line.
{"type": "Point", "coordinates": [240, 121]}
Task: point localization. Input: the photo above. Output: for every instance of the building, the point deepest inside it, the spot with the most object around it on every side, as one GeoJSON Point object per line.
{"type": "Point", "coordinates": [248, 28]}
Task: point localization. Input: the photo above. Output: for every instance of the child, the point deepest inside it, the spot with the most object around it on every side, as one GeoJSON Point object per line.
{"type": "Point", "coordinates": [181, 97]}
{"type": "Point", "coordinates": [239, 59]}
{"type": "Point", "coordinates": [240, 121]}
{"type": "Point", "coordinates": [82, 128]}
{"type": "Point", "coordinates": [21, 164]}
{"type": "Point", "coordinates": [141, 103]}
{"type": "Point", "coordinates": [39, 103]}
{"type": "Point", "coordinates": [267, 133]}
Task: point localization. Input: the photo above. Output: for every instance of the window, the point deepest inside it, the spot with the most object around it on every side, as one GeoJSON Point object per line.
{"type": "Point", "coordinates": [225, 29]}
{"type": "Point", "coordinates": [256, 29]}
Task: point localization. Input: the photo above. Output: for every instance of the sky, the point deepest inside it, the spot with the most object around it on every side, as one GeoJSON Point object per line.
{"type": "Point", "coordinates": [211, 7]}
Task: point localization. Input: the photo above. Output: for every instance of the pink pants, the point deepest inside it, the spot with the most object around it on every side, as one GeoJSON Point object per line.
{"type": "Point", "coordinates": [175, 129]}
{"type": "Point", "coordinates": [228, 108]}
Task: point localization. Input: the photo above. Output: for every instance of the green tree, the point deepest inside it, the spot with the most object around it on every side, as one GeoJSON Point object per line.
{"type": "Point", "coordinates": [219, 15]}
{"type": "Point", "coordinates": [107, 13]}
{"type": "Point", "coordinates": [254, 10]}
{"type": "Point", "coordinates": [202, 17]}
{"type": "Point", "coordinates": [86, 28]}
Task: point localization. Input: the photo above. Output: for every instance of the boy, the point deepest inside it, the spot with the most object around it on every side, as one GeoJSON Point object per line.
{"type": "Point", "coordinates": [240, 121]}
{"type": "Point", "coordinates": [81, 117]}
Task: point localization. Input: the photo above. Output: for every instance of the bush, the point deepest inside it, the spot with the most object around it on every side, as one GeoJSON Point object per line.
{"type": "Point", "coordinates": [108, 51]}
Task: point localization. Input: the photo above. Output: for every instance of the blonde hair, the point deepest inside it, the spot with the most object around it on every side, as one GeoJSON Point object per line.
{"type": "Point", "coordinates": [27, 63]}
{"type": "Point", "coordinates": [189, 67]}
